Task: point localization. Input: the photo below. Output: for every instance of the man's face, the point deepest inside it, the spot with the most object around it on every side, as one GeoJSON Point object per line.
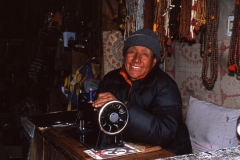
{"type": "Point", "coordinates": [139, 60]}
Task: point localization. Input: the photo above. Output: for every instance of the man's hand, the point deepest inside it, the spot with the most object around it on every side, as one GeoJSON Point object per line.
{"type": "Point", "coordinates": [102, 99]}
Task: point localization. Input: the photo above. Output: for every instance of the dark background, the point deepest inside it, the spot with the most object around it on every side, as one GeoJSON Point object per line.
{"type": "Point", "coordinates": [24, 36]}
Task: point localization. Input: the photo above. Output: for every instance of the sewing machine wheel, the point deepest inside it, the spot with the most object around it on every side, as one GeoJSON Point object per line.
{"type": "Point", "coordinates": [113, 117]}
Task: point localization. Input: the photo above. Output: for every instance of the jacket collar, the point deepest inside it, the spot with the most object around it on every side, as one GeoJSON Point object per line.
{"type": "Point", "coordinates": [123, 72]}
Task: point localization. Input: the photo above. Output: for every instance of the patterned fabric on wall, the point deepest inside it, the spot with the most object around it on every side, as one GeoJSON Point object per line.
{"type": "Point", "coordinates": [112, 50]}
{"type": "Point", "coordinates": [185, 67]}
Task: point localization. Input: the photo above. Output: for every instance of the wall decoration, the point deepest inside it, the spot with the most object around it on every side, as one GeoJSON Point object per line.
{"type": "Point", "coordinates": [112, 50]}
{"type": "Point", "coordinates": [233, 57]}
{"type": "Point", "coordinates": [192, 86]}
{"type": "Point", "coordinates": [187, 74]}
{"type": "Point", "coordinates": [211, 44]}
{"type": "Point", "coordinates": [134, 19]}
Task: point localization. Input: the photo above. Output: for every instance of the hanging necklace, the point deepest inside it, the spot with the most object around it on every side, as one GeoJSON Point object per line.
{"type": "Point", "coordinates": [233, 57]}
{"type": "Point", "coordinates": [201, 12]}
{"type": "Point", "coordinates": [158, 26]}
{"type": "Point", "coordinates": [192, 34]}
{"type": "Point", "coordinates": [184, 18]}
{"type": "Point", "coordinates": [168, 37]}
{"type": "Point", "coordinates": [201, 23]}
{"type": "Point", "coordinates": [211, 44]}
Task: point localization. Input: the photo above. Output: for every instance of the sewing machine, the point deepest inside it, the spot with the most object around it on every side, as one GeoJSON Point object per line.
{"type": "Point", "coordinates": [100, 128]}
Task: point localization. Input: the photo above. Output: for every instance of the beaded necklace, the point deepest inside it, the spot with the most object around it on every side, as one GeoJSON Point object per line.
{"type": "Point", "coordinates": [158, 26]}
{"type": "Point", "coordinates": [168, 37]}
{"type": "Point", "coordinates": [166, 18]}
{"type": "Point", "coordinates": [184, 18]}
{"type": "Point", "coordinates": [192, 34]}
{"type": "Point", "coordinates": [201, 23]}
{"type": "Point", "coordinates": [211, 44]}
{"type": "Point", "coordinates": [201, 12]}
{"type": "Point", "coordinates": [234, 50]}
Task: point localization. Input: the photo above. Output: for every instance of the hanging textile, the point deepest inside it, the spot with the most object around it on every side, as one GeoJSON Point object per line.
{"type": "Point", "coordinates": [74, 82]}
{"type": "Point", "coordinates": [38, 72]}
{"type": "Point", "coordinates": [134, 19]}
{"type": "Point", "coordinates": [112, 50]}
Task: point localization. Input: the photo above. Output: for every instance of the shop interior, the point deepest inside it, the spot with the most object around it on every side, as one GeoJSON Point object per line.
{"type": "Point", "coordinates": [45, 45]}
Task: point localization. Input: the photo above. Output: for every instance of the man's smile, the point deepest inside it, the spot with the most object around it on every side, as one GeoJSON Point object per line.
{"type": "Point", "coordinates": [136, 67]}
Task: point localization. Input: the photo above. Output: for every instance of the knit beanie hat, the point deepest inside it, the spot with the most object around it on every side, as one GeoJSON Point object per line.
{"type": "Point", "coordinates": [143, 37]}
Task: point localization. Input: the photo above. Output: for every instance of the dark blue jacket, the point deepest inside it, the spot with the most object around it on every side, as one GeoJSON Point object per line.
{"type": "Point", "coordinates": [155, 109]}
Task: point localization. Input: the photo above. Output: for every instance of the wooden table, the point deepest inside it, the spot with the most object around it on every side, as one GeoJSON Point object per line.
{"type": "Point", "coordinates": [53, 143]}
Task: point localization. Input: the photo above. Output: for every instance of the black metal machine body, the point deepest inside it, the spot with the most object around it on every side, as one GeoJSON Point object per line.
{"type": "Point", "coordinates": [102, 128]}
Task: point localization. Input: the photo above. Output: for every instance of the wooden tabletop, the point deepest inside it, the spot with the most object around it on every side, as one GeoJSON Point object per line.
{"type": "Point", "coordinates": [75, 150]}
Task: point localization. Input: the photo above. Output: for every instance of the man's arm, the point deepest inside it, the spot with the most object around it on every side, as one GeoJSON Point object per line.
{"type": "Point", "coordinates": [159, 125]}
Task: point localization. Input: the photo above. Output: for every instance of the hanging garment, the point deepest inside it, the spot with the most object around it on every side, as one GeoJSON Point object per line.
{"type": "Point", "coordinates": [74, 82]}
{"type": "Point", "coordinates": [38, 72]}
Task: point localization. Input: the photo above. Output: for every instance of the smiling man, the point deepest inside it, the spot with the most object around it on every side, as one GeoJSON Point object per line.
{"type": "Point", "coordinates": [151, 96]}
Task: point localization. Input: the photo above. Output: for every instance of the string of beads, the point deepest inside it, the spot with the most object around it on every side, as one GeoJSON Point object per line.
{"type": "Point", "coordinates": [158, 26]}
{"type": "Point", "coordinates": [234, 50]}
{"type": "Point", "coordinates": [210, 56]}
{"type": "Point", "coordinates": [185, 18]}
